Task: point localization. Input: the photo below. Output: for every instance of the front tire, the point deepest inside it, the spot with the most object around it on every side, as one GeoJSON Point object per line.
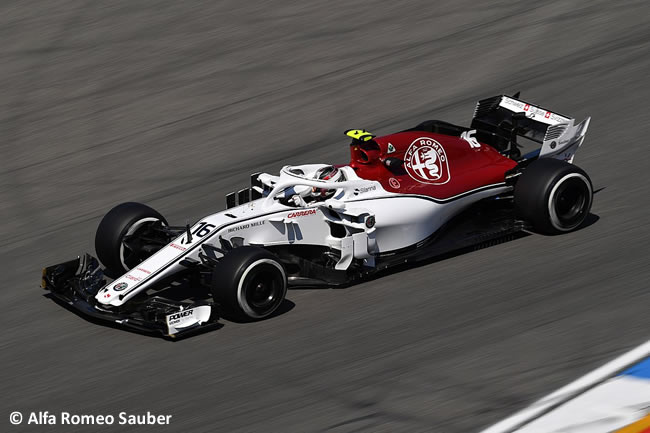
{"type": "Point", "coordinates": [553, 195]}
{"type": "Point", "coordinates": [124, 220]}
{"type": "Point", "coordinates": [249, 283]}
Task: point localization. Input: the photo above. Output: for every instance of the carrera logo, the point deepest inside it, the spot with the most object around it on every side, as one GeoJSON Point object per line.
{"type": "Point", "coordinates": [180, 315]}
{"type": "Point", "coordinates": [302, 213]}
{"type": "Point", "coordinates": [426, 161]}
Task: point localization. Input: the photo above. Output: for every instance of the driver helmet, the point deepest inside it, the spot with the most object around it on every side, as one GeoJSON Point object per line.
{"type": "Point", "coordinates": [329, 173]}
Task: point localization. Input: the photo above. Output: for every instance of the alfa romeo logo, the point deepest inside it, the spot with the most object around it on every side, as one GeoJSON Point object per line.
{"type": "Point", "coordinates": [120, 286]}
{"type": "Point", "coordinates": [426, 161]}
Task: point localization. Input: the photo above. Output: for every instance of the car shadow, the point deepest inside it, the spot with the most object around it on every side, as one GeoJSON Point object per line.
{"type": "Point", "coordinates": [589, 220]}
{"type": "Point", "coordinates": [284, 308]}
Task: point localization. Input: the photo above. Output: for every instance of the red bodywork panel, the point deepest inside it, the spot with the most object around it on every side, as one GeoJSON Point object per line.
{"type": "Point", "coordinates": [436, 165]}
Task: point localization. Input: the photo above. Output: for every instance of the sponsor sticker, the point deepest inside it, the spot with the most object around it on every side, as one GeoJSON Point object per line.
{"type": "Point", "coordinates": [175, 318]}
{"type": "Point", "coordinates": [512, 104]}
{"type": "Point", "coordinates": [391, 148]}
{"type": "Point", "coordinates": [186, 318]}
{"type": "Point", "coordinates": [426, 162]}
{"type": "Point", "coordinates": [394, 183]}
{"type": "Point", "coordinates": [302, 213]}
{"type": "Point", "coordinates": [533, 112]}
{"type": "Point", "coordinates": [120, 286]}
{"type": "Point", "coordinates": [365, 189]}
{"type": "Point", "coordinates": [246, 226]}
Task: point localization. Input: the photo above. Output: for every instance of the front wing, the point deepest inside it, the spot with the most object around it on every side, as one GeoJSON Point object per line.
{"type": "Point", "coordinates": [75, 284]}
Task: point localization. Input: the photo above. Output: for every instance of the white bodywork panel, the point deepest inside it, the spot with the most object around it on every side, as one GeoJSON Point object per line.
{"type": "Point", "coordinates": [563, 140]}
{"type": "Point", "coordinates": [187, 318]}
{"type": "Point", "coordinates": [534, 112]}
{"type": "Point", "coordinates": [374, 219]}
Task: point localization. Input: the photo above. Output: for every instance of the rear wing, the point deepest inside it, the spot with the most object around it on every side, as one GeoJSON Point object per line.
{"type": "Point", "coordinates": [500, 119]}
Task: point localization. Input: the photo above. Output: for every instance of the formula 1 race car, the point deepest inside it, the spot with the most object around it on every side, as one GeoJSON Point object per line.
{"type": "Point", "coordinates": [410, 196]}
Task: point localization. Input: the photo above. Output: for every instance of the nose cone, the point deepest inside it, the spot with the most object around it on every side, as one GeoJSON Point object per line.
{"type": "Point", "coordinates": [110, 294]}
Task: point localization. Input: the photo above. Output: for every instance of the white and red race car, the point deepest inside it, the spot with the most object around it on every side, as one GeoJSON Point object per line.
{"type": "Point", "coordinates": [405, 197]}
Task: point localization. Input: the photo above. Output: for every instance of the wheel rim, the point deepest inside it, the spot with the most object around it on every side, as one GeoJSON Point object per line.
{"type": "Point", "coordinates": [570, 201]}
{"type": "Point", "coordinates": [262, 288]}
{"type": "Point", "coordinates": [129, 254]}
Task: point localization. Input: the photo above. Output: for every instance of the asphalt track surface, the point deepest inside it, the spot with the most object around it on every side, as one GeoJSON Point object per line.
{"type": "Point", "coordinates": [175, 103]}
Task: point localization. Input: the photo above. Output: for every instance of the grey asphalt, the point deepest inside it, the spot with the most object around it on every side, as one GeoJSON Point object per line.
{"type": "Point", "coordinates": [175, 103]}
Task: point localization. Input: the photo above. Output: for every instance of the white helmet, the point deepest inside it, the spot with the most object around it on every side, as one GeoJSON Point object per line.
{"type": "Point", "coordinates": [331, 174]}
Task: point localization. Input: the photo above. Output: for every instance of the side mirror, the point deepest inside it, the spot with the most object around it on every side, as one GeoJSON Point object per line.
{"type": "Point", "coordinates": [393, 162]}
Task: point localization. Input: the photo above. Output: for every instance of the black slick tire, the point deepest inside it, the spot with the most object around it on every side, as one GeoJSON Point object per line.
{"type": "Point", "coordinates": [249, 283]}
{"type": "Point", "coordinates": [554, 195]}
{"type": "Point", "coordinates": [124, 219]}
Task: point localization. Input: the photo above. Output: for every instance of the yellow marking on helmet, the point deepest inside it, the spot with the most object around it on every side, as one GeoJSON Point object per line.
{"type": "Point", "coordinates": [359, 134]}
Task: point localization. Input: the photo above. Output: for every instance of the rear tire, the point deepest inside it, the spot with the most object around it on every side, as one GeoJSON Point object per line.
{"type": "Point", "coordinates": [553, 195]}
{"type": "Point", "coordinates": [249, 283]}
{"type": "Point", "coordinates": [126, 219]}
